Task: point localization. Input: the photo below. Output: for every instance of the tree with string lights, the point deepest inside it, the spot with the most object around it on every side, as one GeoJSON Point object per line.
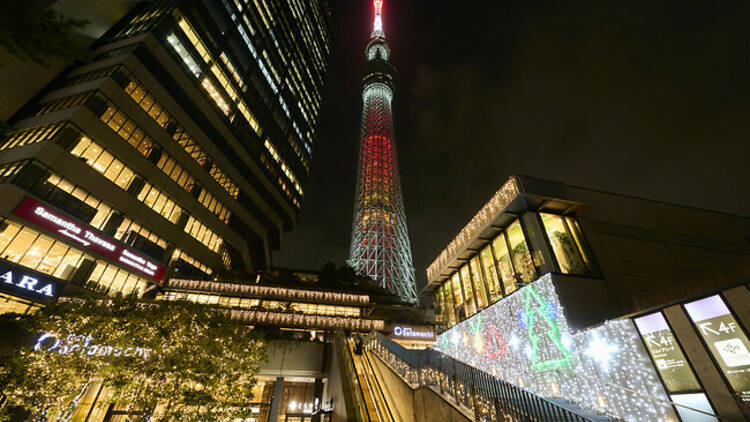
{"type": "Point", "coordinates": [157, 360]}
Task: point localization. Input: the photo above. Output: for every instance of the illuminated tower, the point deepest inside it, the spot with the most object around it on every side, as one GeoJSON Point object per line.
{"type": "Point", "coordinates": [380, 241]}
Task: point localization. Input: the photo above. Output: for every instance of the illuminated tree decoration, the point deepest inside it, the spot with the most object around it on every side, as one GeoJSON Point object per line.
{"type": "Point", "coordinates": [537, 308]}
{"type": "Point", "coordinates": [166, 361]}
{"type": "Point", "coordinates": [605, 368]}
{"type": "Point", "coordinates": [495, 344]}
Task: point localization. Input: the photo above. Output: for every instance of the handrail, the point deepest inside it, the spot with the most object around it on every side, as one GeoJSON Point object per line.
{"type": "Point", "coordinates": [382, 400]}
{"type": "Point", "coordinates": [469, 387]}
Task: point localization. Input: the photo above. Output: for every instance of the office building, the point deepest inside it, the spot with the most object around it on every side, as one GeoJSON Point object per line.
{"type": "Point", "coordinates": [181, 149]}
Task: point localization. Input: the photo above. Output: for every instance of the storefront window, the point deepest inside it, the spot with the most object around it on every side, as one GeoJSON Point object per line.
{"type": "Point", "coordinates": [563, 244]}
{"type": "Point", "coordinates": [449, 309]}
{"type": "Point", "coordinates": [458, 299]}
{"type": "Point", "coordinates": [471, 305]}
{"type": "Point", "coordinates": [522, 261]}
{"type": "Point", "coordinates": [480, 288]}
{"type": "Point", "coordinates": [490, 273]}
{"type": "Point", "coordinates": [439, 307]}
{"type": "Point", "coordinates": [13, 305]}
{"type": "Point", "coordinates": [666, 354]}
{"type": "Point", "coordinates": [726, 341]}
{"type": "Point", "coordinates": [504, 264]}
{"type": "Point", "coordinates": [112, 280]}
{"type": "Point", "coordinates": [38, 252]}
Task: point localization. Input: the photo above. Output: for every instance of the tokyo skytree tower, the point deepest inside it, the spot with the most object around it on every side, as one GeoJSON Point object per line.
{"type": "Point", "coordinates": [380, 245]}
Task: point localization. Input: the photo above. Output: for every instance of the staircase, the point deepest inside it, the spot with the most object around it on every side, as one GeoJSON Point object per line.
{"type": "Point", "coordinates": [478, 394]}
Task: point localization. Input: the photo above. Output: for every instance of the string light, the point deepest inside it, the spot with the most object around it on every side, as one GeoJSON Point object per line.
{"type": "Point", "coordinates": [604, 368]}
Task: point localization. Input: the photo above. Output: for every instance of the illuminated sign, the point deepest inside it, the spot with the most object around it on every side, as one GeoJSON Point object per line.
{"type": "Point", "coordinates": [19, 281]}
{"type": "Point", "coordinates": [666, 353]}
{"type": "Point", "coordinates": [409, 332]}
{"type": "Point", "coordinates": [39, 214]}
{"type": "Point", "coordinates": [726, 341]}
{"type": "Point", "coordinates": [82, 345]}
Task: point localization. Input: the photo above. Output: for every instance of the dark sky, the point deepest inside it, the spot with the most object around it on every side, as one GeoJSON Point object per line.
{"type": "Point", "coordinates": [645, 98]}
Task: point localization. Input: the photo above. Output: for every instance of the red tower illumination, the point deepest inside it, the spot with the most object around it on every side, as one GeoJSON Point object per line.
{"type": "Point", "coordinates": [380, 245]}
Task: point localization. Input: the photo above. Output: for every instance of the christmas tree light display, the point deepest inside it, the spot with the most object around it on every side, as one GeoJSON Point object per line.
{"type": "Point", "coordinates": [525, 339]}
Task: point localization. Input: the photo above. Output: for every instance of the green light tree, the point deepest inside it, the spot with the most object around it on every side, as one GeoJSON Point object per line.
{"type": "Point", "coordinates": [194, 363]}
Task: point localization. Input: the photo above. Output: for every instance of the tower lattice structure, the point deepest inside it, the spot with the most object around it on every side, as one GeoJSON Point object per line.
{"type": "Point", "coordinates": [380, 245]}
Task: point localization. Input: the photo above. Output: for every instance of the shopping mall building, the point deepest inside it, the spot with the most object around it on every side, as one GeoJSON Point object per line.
{"type": "Point", "coordinates": [634, 308]}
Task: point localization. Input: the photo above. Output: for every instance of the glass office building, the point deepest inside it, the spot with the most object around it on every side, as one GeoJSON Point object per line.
{"type": "Point", "coordinates": [181, 149]}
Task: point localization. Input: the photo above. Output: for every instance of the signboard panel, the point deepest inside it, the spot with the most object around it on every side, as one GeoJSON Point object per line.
{"type": "Point", "coordinates": [726, 341]}
{"type": "Point", "coordinates": [86, 237]}
{"type": "Point", "coordinates": [21, 282]}
{"type": "Point", "coordinates": [666, 354]}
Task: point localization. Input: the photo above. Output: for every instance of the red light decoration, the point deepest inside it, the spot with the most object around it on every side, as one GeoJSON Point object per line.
{"type": "Point", "coordinates": [495, 339]}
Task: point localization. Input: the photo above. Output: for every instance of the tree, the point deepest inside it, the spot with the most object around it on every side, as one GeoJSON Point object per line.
{"type": "Point", "coordinates": [32, 31]}
{"type": "Point", "coordinates": [187, 361]}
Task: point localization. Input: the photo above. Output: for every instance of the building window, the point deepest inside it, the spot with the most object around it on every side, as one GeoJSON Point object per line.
{"type": "Point", "coordinates": [480, 287]}
{"type": "Point", "coordinates": [90, 76]}
{"type": "Point", "coordinates": [65, 102]}
{"type": "Point", "coordinates": [113, 280]}
{"type": "Point", "coordinates": [103, 162]}
{"type": "Point", "coordinates": [477, 283]}
{"type": "Point", "coordinates": [32, 135]}
{"type": "Point", "coordinates": [178, 254]}
{"type": "Point", "coordinates": [127, 129]}
{"type": "Point", "coordinates": [203, 234]}
{"type": "Point", "coordinates": [13, 305]}
{"type": "Point", "coordinates": [36, 251]}
{"type": "Point", "coordinates": [128, 225]}
{"type": "Point", "coordinates": [458, 297]}
{"type": "Point", "coordinates": [504, 263]}
{"type": "Point", "coordinates": [466, 285]}
{"type": "Point", "coordinates": [103, 211]}
{"type": "Point", "coordinates": [156, 111]}
{"type": "Point", "coordinates": [158, 201]}
{"type": "Point", "coordinates": [522, 261]}
{"type": "Point", "coordinates": [565, 243]}
{"type": "Point", "coordinates": [490, 273]}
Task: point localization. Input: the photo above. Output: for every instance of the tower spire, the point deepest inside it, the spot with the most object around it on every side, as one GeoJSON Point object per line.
{"type": "Point", "coordinates": [380, 245]}
{"type": "Point", "coordinates": [377, 26]}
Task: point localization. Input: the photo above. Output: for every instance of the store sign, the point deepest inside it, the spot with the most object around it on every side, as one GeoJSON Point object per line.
{"type": "Point", "coordinates": [409, 332]}
{"type": "Point", "coordinates": [666, 353]}
{"type": "Point", "coordinates": [16, 279]}
{"type": "Point", "coordinates": [41, 215]}
{"type": "Point", "coordinates": [726, 341]}
{"type": "Point", "coordinates": [82, 345]}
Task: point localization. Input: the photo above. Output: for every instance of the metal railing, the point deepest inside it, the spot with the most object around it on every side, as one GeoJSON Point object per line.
{"type": "Point", "coordinates": [488, 397]}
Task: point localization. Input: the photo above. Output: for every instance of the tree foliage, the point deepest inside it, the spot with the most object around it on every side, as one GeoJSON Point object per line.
{"type": "Point", "coordinates": [196, 364]}
{"type": "Point", "coordinates": [32, 31]}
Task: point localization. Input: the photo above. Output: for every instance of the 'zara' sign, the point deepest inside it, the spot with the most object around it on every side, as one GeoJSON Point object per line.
{"type": "Point", "coordinates": [17, 280]}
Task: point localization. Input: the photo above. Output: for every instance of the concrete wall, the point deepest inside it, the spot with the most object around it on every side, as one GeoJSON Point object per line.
{"type": "Point", "coordinates": [335, 385]}
{"type": "Point", "coordinates": [653, 253]}
{"type": "Point", "coordinates": [407, 405]}
{"type": "Point", "coordinates": [294, 359]}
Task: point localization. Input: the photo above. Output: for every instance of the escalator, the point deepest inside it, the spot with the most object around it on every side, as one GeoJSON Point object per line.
{"type": "Point", "coordinates": [365, 399]}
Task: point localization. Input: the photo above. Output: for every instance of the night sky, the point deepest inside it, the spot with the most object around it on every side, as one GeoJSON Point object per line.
{"type": "Point", "coordinates": [645, 98]}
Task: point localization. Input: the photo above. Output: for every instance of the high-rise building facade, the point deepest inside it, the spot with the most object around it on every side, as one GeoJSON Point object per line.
{"type": "Point", "coordinates": [181, 149]}
{"type": "Point", "coordinates": [380, 245]}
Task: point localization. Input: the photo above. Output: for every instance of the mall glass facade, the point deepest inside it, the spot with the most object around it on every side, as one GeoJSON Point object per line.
{"type": "Point", "coordinates": [507, 261]}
